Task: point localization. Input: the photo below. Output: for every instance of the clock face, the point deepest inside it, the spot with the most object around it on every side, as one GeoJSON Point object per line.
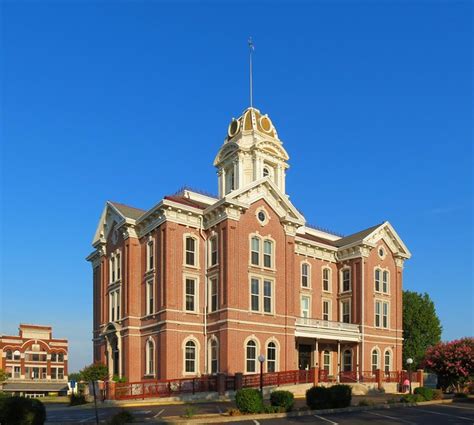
{"type": "Point", "coordinates": [115, 236]}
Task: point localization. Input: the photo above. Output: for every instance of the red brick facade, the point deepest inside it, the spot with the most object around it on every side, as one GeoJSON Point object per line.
{"type": "Point", "coordinates": [296, 318]}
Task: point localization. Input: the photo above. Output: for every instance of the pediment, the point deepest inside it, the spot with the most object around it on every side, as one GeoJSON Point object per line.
{"type": "Point", "coordinates": [110, 218]}
{"type": "Point", "coordinates": [390, 237]}
{"type": "Point", "coordinates": [272, 148]}
{"type": "Point", "coordinates": [267, 190]}
{"type": "Point", "coordinates": [227, 150]}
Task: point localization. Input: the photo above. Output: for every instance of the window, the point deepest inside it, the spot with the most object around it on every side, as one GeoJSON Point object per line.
{"type": "Point", "coordinates": [266, 172]}
{"type": "Point", "coordinates": [347, 361]}
{"type": "Point", "coordinates": [305, 306]}
{"type": "Point", "coordinates": [60, 357]}
{"type": "Point", "coordinates": [16, 355]}
{"type": "Point", "coordinates": [267, 253]}
{"type": "Point", "coordinates": [150, 301]}
{"type": "Point", "coordinates": [377, 280]}
{"type": "Point", "coordinates": [114, 305]}
{"type": "Point", "coordinates": [190, 251]}
{"type": "Point", "coordinates": [214, 355]}
{"type": "Point", "coordinates": [54, 357]}
{"type": "Point", "coordinates": [271, 357]}
{"type": "Point", "coordinates": [230, 181]}
{"type": "Point", "coordinates": [305, 275]}
{"type": "Point", "coordinates": [385, 281]}
{"type": "Point", "coordinates": [16, 372]}
{"type": "Point", "coordinates": [213, 249]}
{"type": "Point", "coordinates": [190, 294]}
{"type": "Point", "coordinates": [150, 357]}
{"type": "Point", "coordinates": [327, 361]}
{"type": "Point", "coordinates": [213, 294]}
{"type": "Point", "coordinates": [326, 310]}
{"type": "Point", "coordinates": [261, 216]}
{"type": "Point", "coordinates": [255, 295]}
{"type": "Point", "coordinates": [150, 255]}
{"type": "Point", "coordinates": [346, 280]}
{"type": "Point", "coordinates": [112, 269]}
{"type": "Point", "coordinates": [251, 356]}
{"type": "Point", "coordinates": [381, 314]}
{"type": "Point", "coordinates": [388, 361]}
{"type": "Point", "coordinates": [190, 357]}
{"type": "Point", "coordinates": [255, 251]}
{"type": "Point", "coordinates": [9, 355]}
{"type": "Point", "coordinates": [118, 266]}
{"type": "Point", "coordinates": [346, 311]}
{"type": "Point", "coordinates": [375, 359]}
{"type": "Point", "coordinates": [326, 279]}
{"type": "Point", "coordinates": [385, 315]}
{"type": "Point", "coordinates": [267, 296]}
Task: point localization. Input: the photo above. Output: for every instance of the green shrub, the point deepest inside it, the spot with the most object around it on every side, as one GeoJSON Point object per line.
{"type": "Point", "coordinates": [318, 398]}
{"type": "Point", "coordinates": [77, 399]}
{"type": "Point", "coordinates": [364, 402]}
{"type": "Point", "coordinates": [426, 393]}
{"type": "Point", "coordinates": [21, 411]}
{"type": "Point", "coordinates": [341, 395]}
{"type": "Point", "coordinates": [392, 400]}
{"type": "Point", "coordinates": [249, 400]}
{"type": "Point", "coordinates": [412, 398]}
{"type": "Point", "coordinates": [233, 412]}
{"type": "Point", "coordinates": [460, 395]}
{"type": "Point", "coordinates": [273, 409]}
{"type": "Point", "coordinates": [119, 379]}
{"type": "Point", "coordinates": [438, 394]}
{"type": "Point", "coordinates": [121, 418]}
{"type": "Point", "coordinates": [190, 411]}
{"type": "Point", "coordinates": [284, 399]}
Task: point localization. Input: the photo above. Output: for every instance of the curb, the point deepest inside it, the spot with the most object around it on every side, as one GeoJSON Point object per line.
{"type": "Point", "coordinates": [207, 419]}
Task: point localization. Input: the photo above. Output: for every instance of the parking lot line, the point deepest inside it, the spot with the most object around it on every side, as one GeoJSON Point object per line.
{"type": "Point", "coordinates": [87, 419]}
{"type": "Point", "coordinates": [159, 413]}
{"type": "Point", "coordinates": [392, 417]}
{"type": "Point", "coordinates": [324, 419]}
{"type": "Point", "coordinates": [444, 414]}
{"type": "Point", "coordinates": [456, 407]}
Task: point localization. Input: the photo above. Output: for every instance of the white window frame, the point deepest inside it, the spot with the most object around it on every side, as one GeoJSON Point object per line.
{"type": "Point", "coordinates": [308, 310]}
{"type": "Point", "coordinates": [114, 305]}
{"type": "Point", "coordinates": [150, 297]}
{"type": "Point", "coordinates": [377, 282]}
{"type": "Point", "coordinates": [329, 279]}
{"type": "Point", "coordinates": [213, 339]}
{"type": "Point", "coordinates": [252, 251]}
{"type": "Point", "coordinates": [381, 314]}
{"type": "Point", "coordinates": [195, 252]}
{"type": "Point", "coordinates": [307, 274]}
{"type": "Point", "coordinates": [261, 294]}
{"type": "Point", "coordinates": [386, 283]}
{"type": "Point", "coordinates": [268, 242]}
{"type": "Point", "coordinates": [344, 269]}
{"type": "Point", "coordinates": [150, 255]}
{"type": "Point", "coordinates": [210, 293]}
{"type": "Point", "coordinates": [343, 364]}
{"type": "Point", "coordinates": [277, 355]}
{"type": "Point", "coordinates": [328, 301]}
{"type": "Point", "coordinates": [255, 359]}
{"type": "Point", "coordinates": [346, 301]}
{"type": "Point", "coordinates": [213, 250]}
{"type": "Point", "coordinates": [328, 364]}
{"type": "Point", "coordinates": [150, 359]}
{"type": "Point", "coordinates": [385, 315]}
{"type": "Point", "coordinates": [389, 364]}
{"type": "Point", "coordinates": [374, 350]}
{"type": "Point", "coordinates": [195, 279]}
{"type": "Point", "coordinates": [378, 314]}
{"type": "Point", "coordinates": [196, 356]}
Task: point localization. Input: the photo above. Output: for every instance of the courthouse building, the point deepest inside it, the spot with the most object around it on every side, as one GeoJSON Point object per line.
{"type": "Point", "coordinates": [200, 284]}
{"type": "Point", "coordinates": [35, 362]}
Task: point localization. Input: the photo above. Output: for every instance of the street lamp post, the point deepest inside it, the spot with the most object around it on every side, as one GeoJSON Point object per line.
{"type": "Point", "coordinates": [409, 363]}
{"type": "Point", "coordinates": [261, 359]}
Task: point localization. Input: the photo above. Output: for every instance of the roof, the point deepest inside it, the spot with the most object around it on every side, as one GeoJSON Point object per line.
{"type": "Point", "coordinates": [34, 386]}
{"type": "Point", "coordinates": [127, 211]}
{"type": "Point", "coordinates": [317, 239]}
{"type": "Point", "coordinates": [252, 119]}
{"type": "Point", "coordinates": [356, 236]}
{"type": "Point", "coordinates": [186, 201]}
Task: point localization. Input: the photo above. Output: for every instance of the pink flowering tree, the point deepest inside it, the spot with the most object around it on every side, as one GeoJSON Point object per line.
{"type": "Point", "coordinates": [453, 362]}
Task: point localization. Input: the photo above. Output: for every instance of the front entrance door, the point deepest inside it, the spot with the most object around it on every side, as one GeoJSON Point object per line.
{"type": "Point", "coordinates": [304, 356]}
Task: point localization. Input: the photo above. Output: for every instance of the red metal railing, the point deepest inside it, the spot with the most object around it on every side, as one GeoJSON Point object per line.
{"type": "Point", "coordinates": [348, 376]}
{"type": "Point", "coordinates": [165, 388]}
{"type": "Point", "coordinates": [324, 376]}
{"type": "Point", "coordinates": [368, 376]}
{"type": "Point", "coordinates": [279, 378]}
{"type": "Point", "coordinates": [391, 376]}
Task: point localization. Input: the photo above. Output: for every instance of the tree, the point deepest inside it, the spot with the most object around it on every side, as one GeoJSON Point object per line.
{"type": "Point", "coordinates": [95, 372]}
{"type": "Point", "coordinates": [3, 376]}
{"type": "Point", "coordinates": [421, 326]}
{"type": "Point", "coordinates": [74, 376]}
{"type": "Point", "coordinates": [453, 362]}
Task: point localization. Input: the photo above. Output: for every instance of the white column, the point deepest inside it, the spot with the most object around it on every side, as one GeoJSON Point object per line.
{"type": "Point", "coordinates": [241, 173]}
{"type": "Point", "coordinates": [316, 359]}
{"type": "Point", "coordinates": [358, 362]}
{"type": "Point", "coordinates": [338, 359]}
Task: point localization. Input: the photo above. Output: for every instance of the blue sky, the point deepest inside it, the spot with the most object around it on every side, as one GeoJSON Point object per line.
{"type": "Point", "coordinates": [129, 101]}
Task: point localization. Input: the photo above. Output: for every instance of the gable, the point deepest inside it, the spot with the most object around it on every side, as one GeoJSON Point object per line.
{"type": "Point", "coordinates": [109, 218]}
{"type": "Point", "coordinates": [387, 233]}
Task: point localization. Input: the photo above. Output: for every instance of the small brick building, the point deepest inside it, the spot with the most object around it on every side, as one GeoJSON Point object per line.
{"type": "Point", "coordinates": [201, 284]}
{"type": "Point", "coordinates": [35, 362]}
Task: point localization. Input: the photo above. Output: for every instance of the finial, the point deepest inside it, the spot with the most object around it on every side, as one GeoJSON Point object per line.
{"type": "Point", "coordinates": [251, 50]}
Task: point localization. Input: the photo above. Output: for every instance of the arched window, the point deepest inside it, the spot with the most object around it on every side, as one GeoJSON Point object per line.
{"type": "Point", "coordinates": [327, 361]}
{"type": "Point", "coordinates": [267, 253]}
{"type": "Point", "coordinates": [385, 281]}
{"type": "Point", "coordinates": [213, 251]}
{"type": "Point", "coordinates": [150, 357]}
{"type": "Point", "coordinates": [255, 251]}
{"type": "Point", "coordinates": [190, 357]}
{"type": "Point", "coordinates": [305, 270]}
{"type": "Point", "coordinates": [347, 361]}
{"type": "Point", "coordinates": [375, 359]}
{"type": "Point", "coordinates": [9, 355]}
{"type": "Point", "coordinates": [377, 280]}
{"type": "Point", "coordinates": [190, 249]}
{"type": "Point", "coordinates": [346, 280]}
{"type": "Point", "coordinates": [214, 355]}
{"type": "Point", "coordinates": [16, 355]}
{"type": "Point", "coordinates": [271, 357]}
{"type": "Point", "coordinates": [326, 279]}
{"type": "Point", "coordinates": [251, 356]}
{"type": "Point", "coordinates": [388, 361]}
{"type": "Point", "coordinates": [266, 172]}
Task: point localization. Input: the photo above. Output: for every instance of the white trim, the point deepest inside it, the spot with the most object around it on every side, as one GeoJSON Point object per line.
{"type": "Point", "coordinates": [323, 268]}
{"type": "Point", "coordinates": [196, 250]}
{"type": "Point", "coordinates": [257, 351]}
{"type": "Point", "coordinates": [275, 341]}
{"type": "Point", "coordinates": [195, 278]}
{"type": "Point", "coordinates": [191, 338]}
{"type": "Point", "coordinates": [308, 274]}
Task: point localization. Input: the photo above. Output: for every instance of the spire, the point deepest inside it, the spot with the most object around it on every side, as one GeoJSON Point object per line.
{"type": "Point", "coordinates": [251, 50]}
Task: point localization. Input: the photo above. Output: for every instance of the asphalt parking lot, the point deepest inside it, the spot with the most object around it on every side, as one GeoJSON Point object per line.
{"type": "Point", "coordinates": [455, 413]}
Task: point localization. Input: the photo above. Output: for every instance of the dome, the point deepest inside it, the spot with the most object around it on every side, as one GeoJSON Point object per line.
{"type": "Point", "coordinates": [251, 120]}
